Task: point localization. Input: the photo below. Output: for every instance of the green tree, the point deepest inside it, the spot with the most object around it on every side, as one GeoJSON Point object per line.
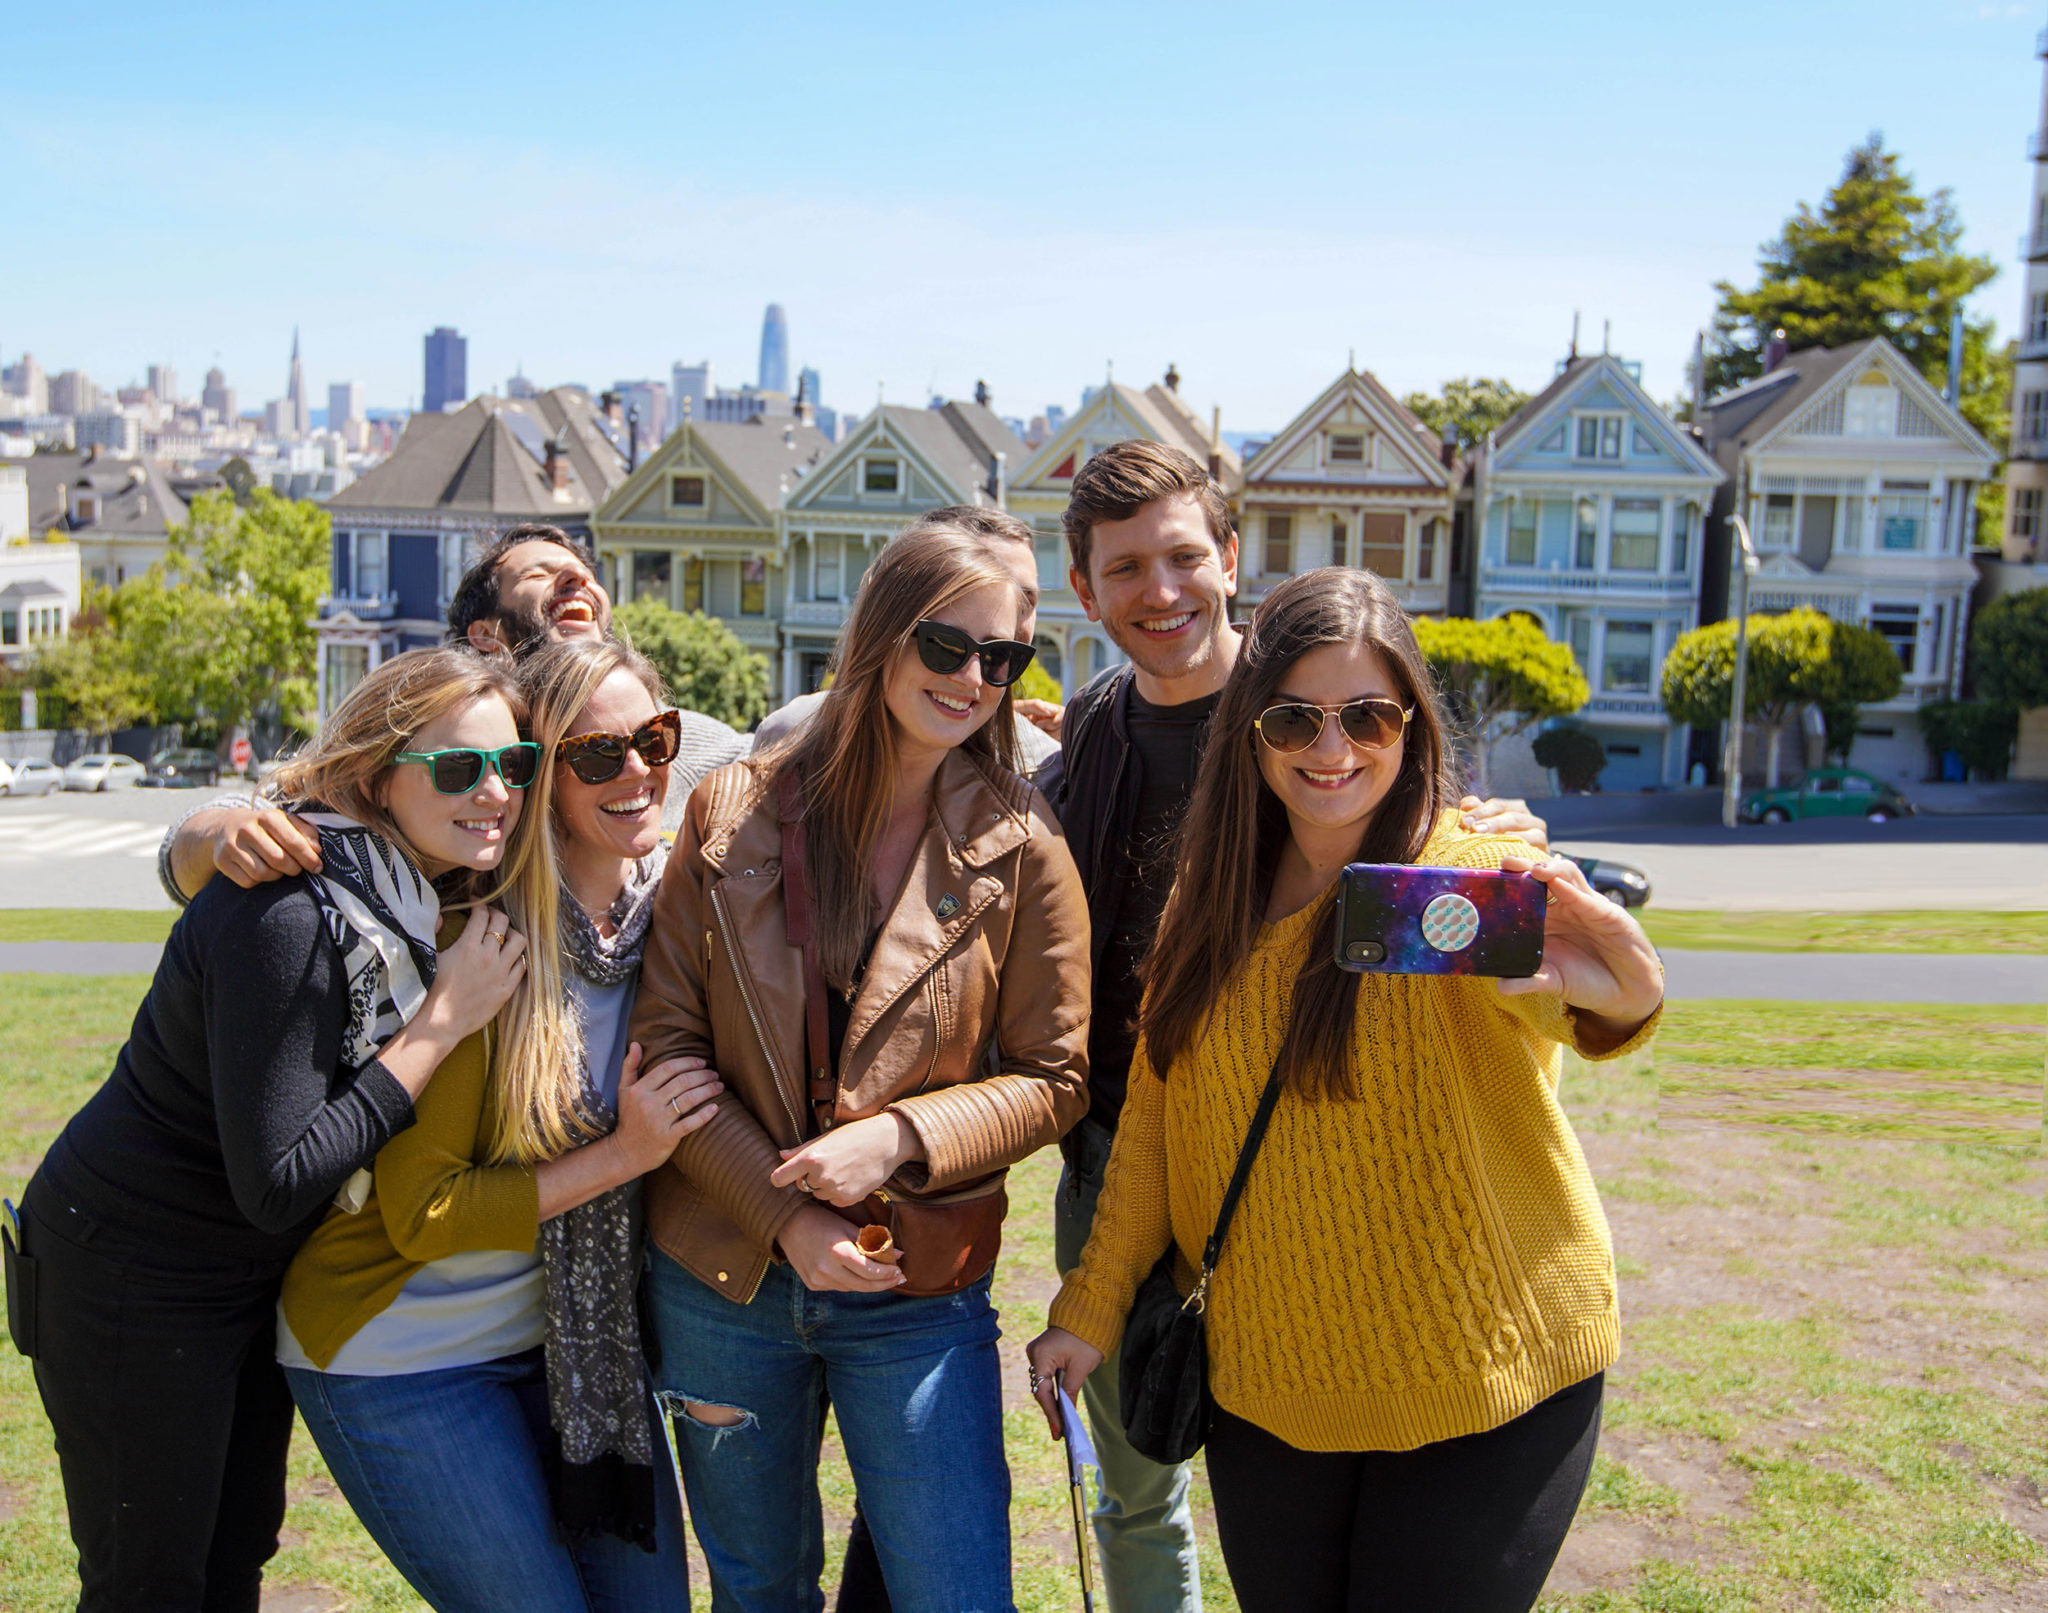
{"type": "Point", "coordinates": [1471, 405]}
{"type": "Point", "coordinates": [95, 672]}
{"type": "Point", "coordinates": [1789, 666]}
{"type": "Point", "coordinates": [707, 668]}
{"type": "Point", "coordinates": [2009, 649]}
{"type": "Point", "coordinates": [1981, 732]}
{"type": "Point", "coordinates": [1876, 258]}
{"type": "Point", "coordinates": [1502, 677]}
{"type": "Point", "coordinates": [1862, 670]}
{"type": "Point", "coordinates": [1574, 753]}
{"type": "Point", "coordinates": [225, 625]}
{"type": "Point", "coordinates": [1038, 684]}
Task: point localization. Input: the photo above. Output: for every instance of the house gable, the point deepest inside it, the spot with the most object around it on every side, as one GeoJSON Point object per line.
{"type": "Point", "coordinates": [1604, 404]}
{"type": "Point", "coordinates": [1875, 398]}
{"type": "Point", "coordinates": [683, 468]}
{"type": "Point", "coordinates": [856, 477]}
{"type": "Point", "coordinates": [1354, 432]}
{"type": "Point", "coordinates": [1109, 418]}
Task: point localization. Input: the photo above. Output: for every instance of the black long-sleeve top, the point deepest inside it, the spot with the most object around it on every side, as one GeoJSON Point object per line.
{"type": "Point", "coordinates": [230, 1118]}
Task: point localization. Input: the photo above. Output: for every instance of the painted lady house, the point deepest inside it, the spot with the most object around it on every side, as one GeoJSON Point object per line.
{"type": "Point", "coordinates": [1589, 506]}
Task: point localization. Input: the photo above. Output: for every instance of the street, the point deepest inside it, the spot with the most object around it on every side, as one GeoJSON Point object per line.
{"type": "Point", "coordinates": [67, 850]}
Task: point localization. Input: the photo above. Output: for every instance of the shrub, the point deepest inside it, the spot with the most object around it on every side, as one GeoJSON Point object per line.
{"type": "Point", "coordinates": [1574, 753]}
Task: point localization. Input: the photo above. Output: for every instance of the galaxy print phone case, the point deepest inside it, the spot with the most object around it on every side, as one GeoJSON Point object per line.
{"type": "Point", "coordinates": [1397, 920]}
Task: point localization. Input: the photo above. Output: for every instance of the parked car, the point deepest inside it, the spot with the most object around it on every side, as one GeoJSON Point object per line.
{"type": "Point", "coordinates": [103, 772]}
{"type": "Point", "coordinates": [182, 769]}
{"type": "Point", "coordinates": [6, 775]}
{"type": "Point", "coordinates": [1828, 792]}
{"type": "Point", "coordinates": [33, 778]}
{"type": "Point", "coordinates": [1624, 884]}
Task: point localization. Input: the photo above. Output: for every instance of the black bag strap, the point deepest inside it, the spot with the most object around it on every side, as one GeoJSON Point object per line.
{"type": "Point", "coordinates": [1253, 1136]}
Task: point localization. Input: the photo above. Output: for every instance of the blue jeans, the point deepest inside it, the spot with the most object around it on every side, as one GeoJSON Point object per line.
{"type": "Point", "coordinates": [1144, 1525]}
{"type": "Point", "coordinates": [914, 1384]}
{"type": "Point", "coordinates": [445, 1470]}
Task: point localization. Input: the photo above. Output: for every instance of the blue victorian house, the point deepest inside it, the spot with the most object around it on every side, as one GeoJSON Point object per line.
{"type": "Point", "coordinates": [1588, 505]}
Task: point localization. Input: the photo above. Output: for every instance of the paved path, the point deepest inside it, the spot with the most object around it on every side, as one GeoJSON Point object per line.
{"type": "Point", "coordinates": [69, 850]}
{"type": "Point", "coordinates": [79, 957]}
{"type": "Point", "coordinates": [1857, 977]}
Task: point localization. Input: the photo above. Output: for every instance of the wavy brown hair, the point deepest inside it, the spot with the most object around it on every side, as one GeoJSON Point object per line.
{"type": "Point", "coordinates": [847, 752]}
{"type": "Point", "coordinates": [1236, 827]}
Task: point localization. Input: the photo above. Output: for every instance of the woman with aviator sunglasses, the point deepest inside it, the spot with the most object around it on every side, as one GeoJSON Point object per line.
{"type": "Point", "coordinates": [291, 1030]}
{"type": "Point", "coordinates": [1414, 1307]}
{"type": "Point", "coordinates": [481, 1323]}
{"type": "Point", "coordinates": [876, 935]}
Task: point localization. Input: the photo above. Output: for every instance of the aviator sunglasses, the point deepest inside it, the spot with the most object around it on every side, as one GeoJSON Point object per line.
{"type": "Point", "coordinates": [944, 648]}
{"type": "Point", "coordinates": [458, 771]}
{"type": "Point", "coordinates": [1371, 724]}
{"type": "Point", "coordinates": [599, 758]}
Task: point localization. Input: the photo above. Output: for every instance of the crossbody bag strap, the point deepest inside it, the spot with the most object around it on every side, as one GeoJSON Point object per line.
{"type": "Point", "coordinates": [1253, 1136]}
{"type": "Point", "coordinates": [796, 920]}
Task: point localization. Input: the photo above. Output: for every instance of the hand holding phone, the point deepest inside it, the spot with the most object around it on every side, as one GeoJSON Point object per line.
{"type": "Point", "coordinates": [1394, 919]}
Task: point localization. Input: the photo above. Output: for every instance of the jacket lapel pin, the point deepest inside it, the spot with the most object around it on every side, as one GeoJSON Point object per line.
{"type": "Point", "coordinates": [949, 904]}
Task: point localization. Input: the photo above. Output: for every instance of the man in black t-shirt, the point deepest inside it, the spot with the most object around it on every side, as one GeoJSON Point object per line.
{"type": "Point", "coordinates": [1154, 561]}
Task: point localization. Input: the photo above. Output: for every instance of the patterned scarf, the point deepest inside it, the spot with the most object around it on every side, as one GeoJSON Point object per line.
{"type": "Point", "coordinates": [381, 914]}
{"type": "Point", "coordinates": [597, 1399]}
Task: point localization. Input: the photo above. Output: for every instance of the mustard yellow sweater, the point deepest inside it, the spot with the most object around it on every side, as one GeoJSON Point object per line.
{"type": "Point", "coordinates": [1427, 1261]}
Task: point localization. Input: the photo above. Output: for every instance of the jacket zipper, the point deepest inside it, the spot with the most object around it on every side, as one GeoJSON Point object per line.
{"type": "Point", "coordinates": [747, 996]}
{"type": "Point", "coordinates": [965, 921]}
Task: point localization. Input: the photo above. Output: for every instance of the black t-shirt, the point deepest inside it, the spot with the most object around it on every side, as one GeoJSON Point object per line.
{"type": "Point", "coordinates": [1166, 743]}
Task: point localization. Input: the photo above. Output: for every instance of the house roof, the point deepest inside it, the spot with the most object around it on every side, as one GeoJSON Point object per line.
{"type": "Point", "coordinates": [960, 439]}
{"type": "Point", "coordinates": [33, 588]}
{"type": "Point", "coordinates": [1741, 416]}
{"type": "Point", "coordinates": [1567, 380]}
{"type": "Point", "coordinates": [1161, 414]}
{"type": "Point", "coordinates": [136, 496]}
{"type": "Point", "coordinates": [761, 451]}
{"type": "Point", "coordinates": [486, 458]}
{"type": "Point", "coordinates": [1424, 446]}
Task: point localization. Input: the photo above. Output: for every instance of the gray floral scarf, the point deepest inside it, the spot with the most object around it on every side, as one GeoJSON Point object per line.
{"type": "Point", "coordinates": [597, 1399]}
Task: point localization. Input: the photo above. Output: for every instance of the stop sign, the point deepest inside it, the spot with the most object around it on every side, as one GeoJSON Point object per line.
{"type": "Point", "coordinates": [240, 753]}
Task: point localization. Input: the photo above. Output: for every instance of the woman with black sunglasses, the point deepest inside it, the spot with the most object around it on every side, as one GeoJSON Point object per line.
{"type": "Point", "coordinates": [289, 1033]}
{"type": "Point", "coordinates": [876, 935]}
{"type": "Point", "coordinates": [1414, 1306]}
{"type": "Point", "coordinates": [467, 1351]}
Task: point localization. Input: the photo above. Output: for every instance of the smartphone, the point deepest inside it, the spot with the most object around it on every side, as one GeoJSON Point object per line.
{"type": "Point", "coordinates": [1397, 920]}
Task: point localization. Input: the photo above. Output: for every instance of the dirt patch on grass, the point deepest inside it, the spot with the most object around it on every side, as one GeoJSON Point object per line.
{"type": "Point", "coordinates": [301, 1599]}
{"type": "Point", "coordinates": [1913, 1106]}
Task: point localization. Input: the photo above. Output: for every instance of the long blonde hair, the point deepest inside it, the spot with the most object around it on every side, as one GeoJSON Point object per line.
{"type": "Point", "coordinates": [344, 770]}
{"type": "Point", "coordinates": [847, 752]}
{"type": "Point", "coordinates": [538, 1110]}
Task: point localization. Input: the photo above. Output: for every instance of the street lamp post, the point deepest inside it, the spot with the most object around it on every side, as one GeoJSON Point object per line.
{"type": "Point", "coordinates": [1731, 768]}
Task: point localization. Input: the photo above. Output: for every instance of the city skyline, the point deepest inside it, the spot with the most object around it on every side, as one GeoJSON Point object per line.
{"type": "Point", "coordinates": [1439, 223]}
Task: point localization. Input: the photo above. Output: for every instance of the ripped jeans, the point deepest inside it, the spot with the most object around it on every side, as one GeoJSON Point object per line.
{"type": "Point", "coordinates": [915, 1388]}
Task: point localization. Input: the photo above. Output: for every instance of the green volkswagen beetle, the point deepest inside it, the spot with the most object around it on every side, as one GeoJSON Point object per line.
{"type": "Point", "coordinates": [1828, 792]}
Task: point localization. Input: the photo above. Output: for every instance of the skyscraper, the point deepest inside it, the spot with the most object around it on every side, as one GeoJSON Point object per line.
{"type": "Point", "coordinates": [163, 383]}
{"type": "Point", "coordinates": [447, 379]}
{"type": "Point", "coordinates": [694, 383]}
{"type": "Point", "coordinates": [344, 405]}
{"type": "Point", "coordinates": [218, 396]}
{"type": "Point", "coordinates": [298, 416]}
{"type": "Point", "coordinates": [774, 350]}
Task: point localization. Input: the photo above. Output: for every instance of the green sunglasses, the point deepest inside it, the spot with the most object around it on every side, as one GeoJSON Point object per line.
{"type": "Point", "coordinates": [457, 772]}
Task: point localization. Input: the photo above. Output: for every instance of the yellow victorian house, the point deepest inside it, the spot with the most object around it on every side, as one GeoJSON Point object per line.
{"type": "Point", "coordinates": [696, 526]}
{"type": "Point", "coordinates": [1070, 647]}
{"type": "Point", "coordinates": [1353, 480]}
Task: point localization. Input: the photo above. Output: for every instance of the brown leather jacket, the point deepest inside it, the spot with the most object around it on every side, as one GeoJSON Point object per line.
{"type": "Point", "coordinates": [988, 942]}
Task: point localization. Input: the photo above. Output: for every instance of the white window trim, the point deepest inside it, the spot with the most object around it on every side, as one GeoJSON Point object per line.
{"type": "Point", "coordinates": [1597, 458]}
{"type": "Point", "coordinates": [868, 494]}
{"type": "Point", "coordinates": [355, 564]}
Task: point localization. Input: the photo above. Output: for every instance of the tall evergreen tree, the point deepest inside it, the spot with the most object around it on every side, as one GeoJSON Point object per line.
{"type": "Point", "coordinates": [1875, 259]}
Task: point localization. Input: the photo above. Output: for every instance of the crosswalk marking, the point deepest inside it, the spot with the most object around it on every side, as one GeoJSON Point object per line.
{"type": "Point", "coordinates": [34, 836]}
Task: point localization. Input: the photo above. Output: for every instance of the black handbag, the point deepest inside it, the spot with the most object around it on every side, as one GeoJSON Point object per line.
{"type": "Point", "coordinates": [1163, 1378]}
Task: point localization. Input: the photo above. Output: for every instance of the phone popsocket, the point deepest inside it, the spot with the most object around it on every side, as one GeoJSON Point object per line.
{"type": "Point", "coordinates": [1439, 921]}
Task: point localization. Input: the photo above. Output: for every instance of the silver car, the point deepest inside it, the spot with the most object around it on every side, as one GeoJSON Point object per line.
{"type": "Point", "coordinates": [32, 778]}
{"type": "Point", "coordinates": [103, 772]}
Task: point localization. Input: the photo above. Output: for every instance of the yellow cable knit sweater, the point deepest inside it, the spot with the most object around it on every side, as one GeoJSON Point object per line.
{"type": "Point", "coordinates": [1427, 1261]}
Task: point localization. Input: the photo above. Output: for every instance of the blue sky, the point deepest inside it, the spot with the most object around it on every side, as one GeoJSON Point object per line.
{"type": "Point", "coordinates": [939, 193]}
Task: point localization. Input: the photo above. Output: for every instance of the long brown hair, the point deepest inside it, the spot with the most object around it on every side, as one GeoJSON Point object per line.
{"type": "Point", "coordinates": [1236, 827]}
{"type": "Point", "coordinates": [846, 754]}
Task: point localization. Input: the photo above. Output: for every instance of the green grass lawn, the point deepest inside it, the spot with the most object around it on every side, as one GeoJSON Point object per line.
{"type": "Point", "coordinates": [1925, 1071]}
{"type": "Point", "coordinates": [84, 924]}
{"type": "Point", "coordinates": [1705, 931]}
{"type": "Point", "coordinates": [1828, 1397]}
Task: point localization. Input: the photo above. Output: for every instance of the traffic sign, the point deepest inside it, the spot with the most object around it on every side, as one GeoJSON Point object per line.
{"type": "Point", "coordinates": [241, 753]}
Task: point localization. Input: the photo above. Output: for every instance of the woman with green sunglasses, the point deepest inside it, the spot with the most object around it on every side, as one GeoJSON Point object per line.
{"type": "Point", "coordinates": [289, 1032]}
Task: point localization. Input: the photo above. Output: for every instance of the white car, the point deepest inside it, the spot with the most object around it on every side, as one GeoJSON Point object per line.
{"type": "Point", "coordinates": [33, 778]}
{"type": "Point", "coordinates": [104, 772]}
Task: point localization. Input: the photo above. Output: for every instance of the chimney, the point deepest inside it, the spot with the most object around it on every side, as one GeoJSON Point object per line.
{"type": "Point", "coordinates": [981, 393]}
{"type": "Point", "coordinates": [805, 414]}
{"type": "Point", "coordinates": [1172, 377]}
{"type": "Point", "coordinates": [1447, 448]}
{"type": "Point", "coordinates": [1775, 350]}
{"type": "Point", "coordinates": [614, 409]}
{"type": "Point", "coordinates": [789, 435]}
{"type": "Point", "coordinates": [999, 477]}
{"type": "Point", "coordinates": [1216, 444]}
{"type": "Point", "coordinates": [555, 466]}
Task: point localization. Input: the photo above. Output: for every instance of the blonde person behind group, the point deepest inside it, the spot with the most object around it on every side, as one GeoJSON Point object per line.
{"type": "Point", "coordinates": [931, 1033]}
{"type": "Point", "coordinates": [289, 1032]}
{"type": "Point", "coordinates": [1414, 1308]}
{"type": "Point", "coordinates": [466, 1349]}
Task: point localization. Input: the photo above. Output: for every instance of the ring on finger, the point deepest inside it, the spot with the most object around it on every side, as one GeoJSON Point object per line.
{"type": "Point", "coordinates": [803, 1184]}
{"type": "Point", "coordinates": [676, 1105]}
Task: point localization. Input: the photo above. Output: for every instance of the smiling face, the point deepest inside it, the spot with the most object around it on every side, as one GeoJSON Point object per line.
{"type": "Point", "coordinates": [1161, 587]}
{"type": "Point", "coordinates": [456, 831]}
{"type": "Point", "coordinates": [546, 592]}
{"type": "Point", "coordinates": [935, 711]}
{"type": "Point", "coordinates": [1332, 789]}
{"type": "Point", "coordinates": [622, 817]}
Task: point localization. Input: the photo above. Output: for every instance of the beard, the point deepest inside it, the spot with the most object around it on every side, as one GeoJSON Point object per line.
{"type": "Point", "coordinates": [524, 630]}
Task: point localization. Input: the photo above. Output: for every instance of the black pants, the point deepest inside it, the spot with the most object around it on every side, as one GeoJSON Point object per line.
{"type": "Point", "coordinates": [158, 1371]}
{"type": "Point", "coordinates": [1470, 1524]}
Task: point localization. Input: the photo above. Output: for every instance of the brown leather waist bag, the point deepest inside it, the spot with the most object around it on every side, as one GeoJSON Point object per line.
{"type": "Point", "coordinates": [941, 1241]}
